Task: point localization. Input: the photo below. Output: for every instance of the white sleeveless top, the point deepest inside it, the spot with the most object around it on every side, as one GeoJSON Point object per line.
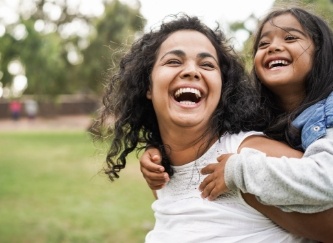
{"type": "Point", "coordinates": [182, 216]}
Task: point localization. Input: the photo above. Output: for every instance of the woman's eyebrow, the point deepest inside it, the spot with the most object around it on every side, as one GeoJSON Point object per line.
{"type": "Point", "coordinates": [181, 53]}
{"type": "Point", "coordinates": [206, 54]}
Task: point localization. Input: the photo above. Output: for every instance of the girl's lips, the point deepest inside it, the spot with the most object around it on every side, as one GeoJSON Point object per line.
{"type": "Point", "coordinates": [276, 62]}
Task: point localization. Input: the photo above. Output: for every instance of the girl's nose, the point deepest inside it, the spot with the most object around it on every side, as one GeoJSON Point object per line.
{"type": "Point", "coordinates": [275, 47]}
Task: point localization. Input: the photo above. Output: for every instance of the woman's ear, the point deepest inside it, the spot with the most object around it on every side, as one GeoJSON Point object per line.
{"type": "Point", "coordinates": [148, 94]}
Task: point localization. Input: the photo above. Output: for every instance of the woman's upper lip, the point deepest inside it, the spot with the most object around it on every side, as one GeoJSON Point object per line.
{"type": "Point", "coordinates": [195, 91]}
{"type": "Point", "coordinates": [189, 88]}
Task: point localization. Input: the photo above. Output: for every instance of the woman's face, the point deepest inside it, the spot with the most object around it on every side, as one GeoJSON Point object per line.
{"type": "Point", "coordinates": [185, 81]}
{"type": "Point", "coordinates": [284, 56]}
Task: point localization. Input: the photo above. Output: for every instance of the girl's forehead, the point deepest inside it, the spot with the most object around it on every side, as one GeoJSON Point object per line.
{"type": "Point", "coordinates": [283, 21]}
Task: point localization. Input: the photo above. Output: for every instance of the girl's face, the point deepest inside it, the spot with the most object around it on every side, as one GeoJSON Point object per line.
{"type": "Point", "coordinates": [185, 81]}
{"type": "Point", "coordinates": [284, 56]}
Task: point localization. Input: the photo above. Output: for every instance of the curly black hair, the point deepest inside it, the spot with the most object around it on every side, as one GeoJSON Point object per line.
{"type": "Point", "coordinates": [133, 119]}
{"type": "Point", "coordinates": [318, 83]}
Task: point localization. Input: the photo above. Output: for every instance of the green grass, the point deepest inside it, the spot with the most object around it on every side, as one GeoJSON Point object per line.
{"type": "Point", "coordinates": [52, 190]}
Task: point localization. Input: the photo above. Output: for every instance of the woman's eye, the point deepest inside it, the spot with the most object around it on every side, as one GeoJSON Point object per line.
{"type": "Point", "coordinates": [208, 65]}
{"type": "Point", "coordinates": [173, 62]}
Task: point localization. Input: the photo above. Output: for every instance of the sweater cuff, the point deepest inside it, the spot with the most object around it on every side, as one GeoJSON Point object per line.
{"type": "Point", "coordinates": [229, 172]}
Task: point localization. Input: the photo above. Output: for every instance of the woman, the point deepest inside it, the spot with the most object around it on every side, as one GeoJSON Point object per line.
{"type": "Point", "coordinates": [182, 89]}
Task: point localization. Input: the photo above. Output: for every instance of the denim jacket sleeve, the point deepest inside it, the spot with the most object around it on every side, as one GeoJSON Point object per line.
{"type": "Point", "coordinates": [302, 185]}
{"type": "Point", "coordinates": [315, 120]}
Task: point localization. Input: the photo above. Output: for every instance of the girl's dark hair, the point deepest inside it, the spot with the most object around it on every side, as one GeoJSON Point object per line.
{"type": "Point", "coordinates": [318, 83]}
{"type": "Point", "coordinates": [133, 119]}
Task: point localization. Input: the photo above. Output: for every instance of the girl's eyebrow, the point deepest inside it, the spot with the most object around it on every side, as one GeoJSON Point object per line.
{"type": "Point", "coordinates": [286, 29]}
{"type": "Point", "coordinates": [181, 53]}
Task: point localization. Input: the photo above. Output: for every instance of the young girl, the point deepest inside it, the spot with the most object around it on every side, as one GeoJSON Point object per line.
{"type": "Point", "coordinates": [294, 70]}
{"type": "Point", "coordinates": [184, 79]}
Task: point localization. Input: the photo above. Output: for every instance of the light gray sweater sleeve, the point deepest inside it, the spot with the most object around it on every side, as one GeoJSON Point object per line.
{"type": "Point", "coordinates": [302, 185]}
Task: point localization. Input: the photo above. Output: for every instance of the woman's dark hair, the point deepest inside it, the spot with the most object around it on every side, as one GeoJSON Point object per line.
{"type": "Point", "coordinates": [318, 83]}
{"type": "Point", "coordinates": [133, 119]}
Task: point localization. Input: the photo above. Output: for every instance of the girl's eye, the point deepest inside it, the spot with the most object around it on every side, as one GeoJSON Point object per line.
{"type": "Point", "coordinates": [262, 44]}
{"type": "Point", "coordinates": [290, 37]}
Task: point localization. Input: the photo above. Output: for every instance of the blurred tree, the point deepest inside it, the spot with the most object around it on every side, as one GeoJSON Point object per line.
{"type": "Point", "coordinates": [64, 48]}
{"type": "Point", "coordinates": [43, 60]}
{"type": "Point", "coordinates": [114, 34]}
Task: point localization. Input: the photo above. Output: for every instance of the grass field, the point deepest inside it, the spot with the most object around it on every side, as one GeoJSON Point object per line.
{"type": "Point", "coordinates": [51, 190]}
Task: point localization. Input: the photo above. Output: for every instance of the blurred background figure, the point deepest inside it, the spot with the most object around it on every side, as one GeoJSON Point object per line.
{"type": "Point", "coordinates": [15, 108]}
{"type": "Point", "coordinates": [31, 108]}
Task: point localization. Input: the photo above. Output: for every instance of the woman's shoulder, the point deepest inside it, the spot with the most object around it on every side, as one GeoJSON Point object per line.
{"type": "Point", "coordinates": [232, 141]}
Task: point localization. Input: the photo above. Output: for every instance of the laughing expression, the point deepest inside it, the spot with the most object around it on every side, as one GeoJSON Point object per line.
{"type": "Point", "coordinates": [186, 81]}
{"type": "Point", "coordinates": [284, 56]}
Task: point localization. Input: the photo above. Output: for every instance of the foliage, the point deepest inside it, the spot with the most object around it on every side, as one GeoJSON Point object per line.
{"type": "Point", "coordinates": [114, 34]}
{"type": "Point", "coordinates": [52, 191]}
{"type": "Point", "coordinates": [45, 54]}
{"type": "Point", "coordinates": [43, 60]}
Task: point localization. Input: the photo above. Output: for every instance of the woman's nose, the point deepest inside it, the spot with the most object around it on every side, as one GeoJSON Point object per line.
{"type": "Point", "coordinates": [190, 71]}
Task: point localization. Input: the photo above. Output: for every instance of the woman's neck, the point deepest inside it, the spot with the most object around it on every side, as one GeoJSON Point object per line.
{"type": "Point", "coordinates": [183, 148]}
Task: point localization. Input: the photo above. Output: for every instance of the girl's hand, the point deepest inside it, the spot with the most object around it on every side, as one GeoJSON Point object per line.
{"type": "Point", "coordinates": [214, 184]}
{"type": "Point", "coordinates": [152, 170]}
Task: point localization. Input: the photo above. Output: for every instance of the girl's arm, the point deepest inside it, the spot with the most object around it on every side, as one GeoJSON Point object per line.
{"type": "Point", "coordinates": [317, 226]}
{"type": "Point", "coordinates": [152, 170]}
{"type": "Point", "coordinates": [301, 185]}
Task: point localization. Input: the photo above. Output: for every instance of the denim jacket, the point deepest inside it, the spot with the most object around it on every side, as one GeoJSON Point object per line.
{"type": "Point", "coordinates": [314, 121]}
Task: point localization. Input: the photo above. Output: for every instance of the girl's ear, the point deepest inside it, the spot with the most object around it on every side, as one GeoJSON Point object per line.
{"type": "Point", "coordinates": [148, 94]}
